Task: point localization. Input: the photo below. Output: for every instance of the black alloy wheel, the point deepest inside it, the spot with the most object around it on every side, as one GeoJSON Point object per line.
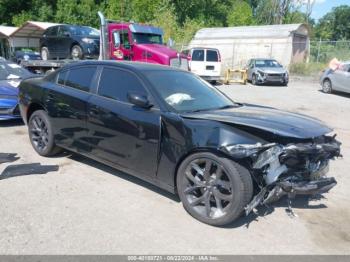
{"type": "Point", "coordinates": [41, 135]}
{"type": "Point", "coordinates": [213, 189]}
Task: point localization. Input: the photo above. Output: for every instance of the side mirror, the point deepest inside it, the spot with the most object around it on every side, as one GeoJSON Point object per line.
{"type": "Point", "coordinates": [139, 100]}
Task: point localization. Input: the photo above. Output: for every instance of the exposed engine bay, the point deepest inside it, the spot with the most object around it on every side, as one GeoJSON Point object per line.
{"type": "Point", "coordinates": [290, 169]}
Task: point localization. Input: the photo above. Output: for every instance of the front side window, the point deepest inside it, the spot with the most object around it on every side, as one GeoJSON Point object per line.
{"type": "Point", "coordinates": [116, 84]}
{"type": "Point", "coordinates": [184, 92]}
{"type": "Point", "coordinates": [198, 55]}
{"type": "Point", "coordinates": [212, 56]}
{"type": "Point", "coordinates": [80, 78]}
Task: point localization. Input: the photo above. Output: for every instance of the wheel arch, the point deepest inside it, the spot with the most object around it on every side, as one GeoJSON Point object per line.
{"type": "Point", "coordinates": [194, 151]}
{"type": "Point", "coordinates": [34, 106]}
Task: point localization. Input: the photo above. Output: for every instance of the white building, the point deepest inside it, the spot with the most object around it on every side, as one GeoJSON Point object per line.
{"type": "Point", "coordinates": [287, 43]}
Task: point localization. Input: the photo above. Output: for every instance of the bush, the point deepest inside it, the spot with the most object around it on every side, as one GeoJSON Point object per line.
{"type": "Point", "coordinates": [307, 69]}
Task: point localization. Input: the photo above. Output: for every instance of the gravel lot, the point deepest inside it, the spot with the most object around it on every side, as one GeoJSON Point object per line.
{"type": "Point", "coordinates": [88, 208]}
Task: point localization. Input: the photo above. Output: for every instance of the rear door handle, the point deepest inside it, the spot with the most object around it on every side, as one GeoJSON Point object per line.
{"type": "Point", "coordinates": [94, 111]}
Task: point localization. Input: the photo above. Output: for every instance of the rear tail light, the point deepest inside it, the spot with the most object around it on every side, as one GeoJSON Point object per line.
{"type": "Point", "coordinates": [219, 57]}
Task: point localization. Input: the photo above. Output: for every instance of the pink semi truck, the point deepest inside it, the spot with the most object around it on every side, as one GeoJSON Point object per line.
{"type": "Point", "coordinates": [124, 41]}
{"type": "Point", "coordinates": [137, 42]}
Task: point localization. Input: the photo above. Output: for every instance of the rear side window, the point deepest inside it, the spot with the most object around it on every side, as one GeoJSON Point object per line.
{"type": "Point", "coordinates": [198, 55]}
{"type": "Point", "coordinates": [52, 31]}
{"type": "Point", "coordinates": [212, 56]}
{"type": "Point", "coordinates": [80, 78]}
{"type": "Point", "coordinates": [116, 84]}
{"type": "Point", "coordinates": [61, 78]}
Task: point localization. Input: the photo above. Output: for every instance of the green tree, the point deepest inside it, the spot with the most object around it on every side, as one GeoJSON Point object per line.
{"type": "Point", "coordinates": [241, 14]}
{"type": "Point", "coordinates": [334, 25]}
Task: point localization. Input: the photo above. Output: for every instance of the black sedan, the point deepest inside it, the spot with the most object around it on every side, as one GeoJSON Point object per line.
{"type": "Point", "coordinates": [176, 131]}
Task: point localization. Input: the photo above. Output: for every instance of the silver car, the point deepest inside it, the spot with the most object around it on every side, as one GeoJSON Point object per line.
{"type": "Point", "coordinates": [337, 80]}
{"type": "Point", "coordinates": [262, 71]}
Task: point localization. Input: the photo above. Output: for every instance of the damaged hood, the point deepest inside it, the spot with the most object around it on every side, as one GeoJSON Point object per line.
{"type": "Point", "coordinates": [268, 119]}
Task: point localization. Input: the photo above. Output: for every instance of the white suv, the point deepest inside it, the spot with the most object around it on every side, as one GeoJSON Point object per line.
{"type": "Point", "coordinates": [205, 62]}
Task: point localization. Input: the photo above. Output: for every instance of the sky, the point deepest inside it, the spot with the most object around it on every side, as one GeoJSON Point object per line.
{"type": "Point", "coordinates": [321, 7]}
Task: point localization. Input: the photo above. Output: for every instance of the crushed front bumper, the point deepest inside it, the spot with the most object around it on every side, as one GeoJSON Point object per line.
{"type": "Point", "coordinates": [292, 169]}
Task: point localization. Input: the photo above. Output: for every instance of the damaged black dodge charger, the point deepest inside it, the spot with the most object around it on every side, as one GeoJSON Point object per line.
{"type": "Point", "coordinates": [174, 130]}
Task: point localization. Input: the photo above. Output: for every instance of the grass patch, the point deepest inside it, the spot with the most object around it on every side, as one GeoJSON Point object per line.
{"type": "Point", "coordinates": [307, 69]}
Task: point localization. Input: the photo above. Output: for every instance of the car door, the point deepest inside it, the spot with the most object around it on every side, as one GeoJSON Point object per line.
{"type": "Point", "coordinates": [197, 62]}
{"type": "Point", "coordinates": [120, 132]}
{"type": "Point", "coordinates": [121, 45]}
{"type": "Point", "coordinates": [51, 41]}
{"type": "Point", "coordinates": [212, 63]}
{"type": "Point", "coordinates": [66, 101]}
{"type": "Point", "coordinates": [344, 80]}
{"type": "Point", "coordinates": [63, 42]}
{"type": "Point", "coordinates": [338, 78]}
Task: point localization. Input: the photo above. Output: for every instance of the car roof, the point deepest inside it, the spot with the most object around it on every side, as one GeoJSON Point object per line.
{"type": "Point", "coordinates": [134, 66]}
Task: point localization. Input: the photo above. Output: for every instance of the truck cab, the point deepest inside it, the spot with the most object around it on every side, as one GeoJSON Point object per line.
{"type": "Point", "coordinates": [142, 43]}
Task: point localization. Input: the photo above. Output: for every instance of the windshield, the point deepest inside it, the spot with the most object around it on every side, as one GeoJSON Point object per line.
{"type": "Point", "coordinates": [142, 38]}
{"type": "Point", "coordinates": [12, 71]}
{"type": "Point", "coordinates": [267, 63]}
{"type": "Point", "coordinates": [185, 92]}
{"type": "Point", "coordinates": [84, 30]}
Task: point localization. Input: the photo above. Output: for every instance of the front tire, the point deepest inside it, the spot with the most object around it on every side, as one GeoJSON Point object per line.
{"type": "Point", "coordinates": [213, 189]}
{"type": "Point", "coordinates": [41, 134]}
{"type": "Point", "coordinates": [327, 86]}
{"type": "Point", "coordinates": [254, 80]}
{"type": "Point", "coordinates": [77, 53]}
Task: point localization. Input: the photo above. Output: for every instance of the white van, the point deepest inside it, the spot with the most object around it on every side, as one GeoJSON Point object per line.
{"type": "Point", "coordinates": [205, 62]}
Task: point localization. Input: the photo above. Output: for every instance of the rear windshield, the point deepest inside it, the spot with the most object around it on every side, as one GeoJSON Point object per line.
{"type": "Point", "coordinates": [212, 56]}
{"type": "Point", "coordinates": [198, 55]}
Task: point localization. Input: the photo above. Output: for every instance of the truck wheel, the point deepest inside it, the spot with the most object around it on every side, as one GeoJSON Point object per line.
{"type": "Point", "coordinates": [76, 52]}
{"type": "Point", "coordinates": [45, 53]}
{"type": "Point", "coordinates": [213, 189]}
{"type": "Point", "coordinates": [41, 134]}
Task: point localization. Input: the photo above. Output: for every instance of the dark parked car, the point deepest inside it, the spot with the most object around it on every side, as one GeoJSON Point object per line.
{"type": "Point", "coordinates": [265, 71]}
{"type": "Point", "coordinates": [171, 128]}
{"type": "Point", "coordinates": [11, 75]}
{"type": "Point", "coordinates": [70, 41]}
{"type": "Point", "coordinates": [25, 55]}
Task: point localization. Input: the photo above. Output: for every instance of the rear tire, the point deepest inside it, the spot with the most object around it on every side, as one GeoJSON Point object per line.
{"type": "Point", "coordinates": [41, 134]}
{"type": "Point", "coordinates": [327, 86]}
{"type": "Point", "coordinates": [44, 52]}
{"type": "Point", "coordinates": [77, 53]}
{"type": "Point", "coordinates": [213, 189]}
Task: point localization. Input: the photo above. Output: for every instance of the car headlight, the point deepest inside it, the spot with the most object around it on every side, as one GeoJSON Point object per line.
{"type": "Point", "coordinates": [261, 73]}
{"type": "Point", "coordinates": [88, 40]}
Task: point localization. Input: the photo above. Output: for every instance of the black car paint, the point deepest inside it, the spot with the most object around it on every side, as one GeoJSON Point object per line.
{"type": "Point", "coordinates": [151, 143]}
{"type": "Point", "coordinates": [60, 46]}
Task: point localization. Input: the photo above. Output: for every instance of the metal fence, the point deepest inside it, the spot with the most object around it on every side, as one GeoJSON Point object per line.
{"type": "Point", "coordinates": [238, 53]}
{"type": "Point", "coordinates": [324, 51]}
